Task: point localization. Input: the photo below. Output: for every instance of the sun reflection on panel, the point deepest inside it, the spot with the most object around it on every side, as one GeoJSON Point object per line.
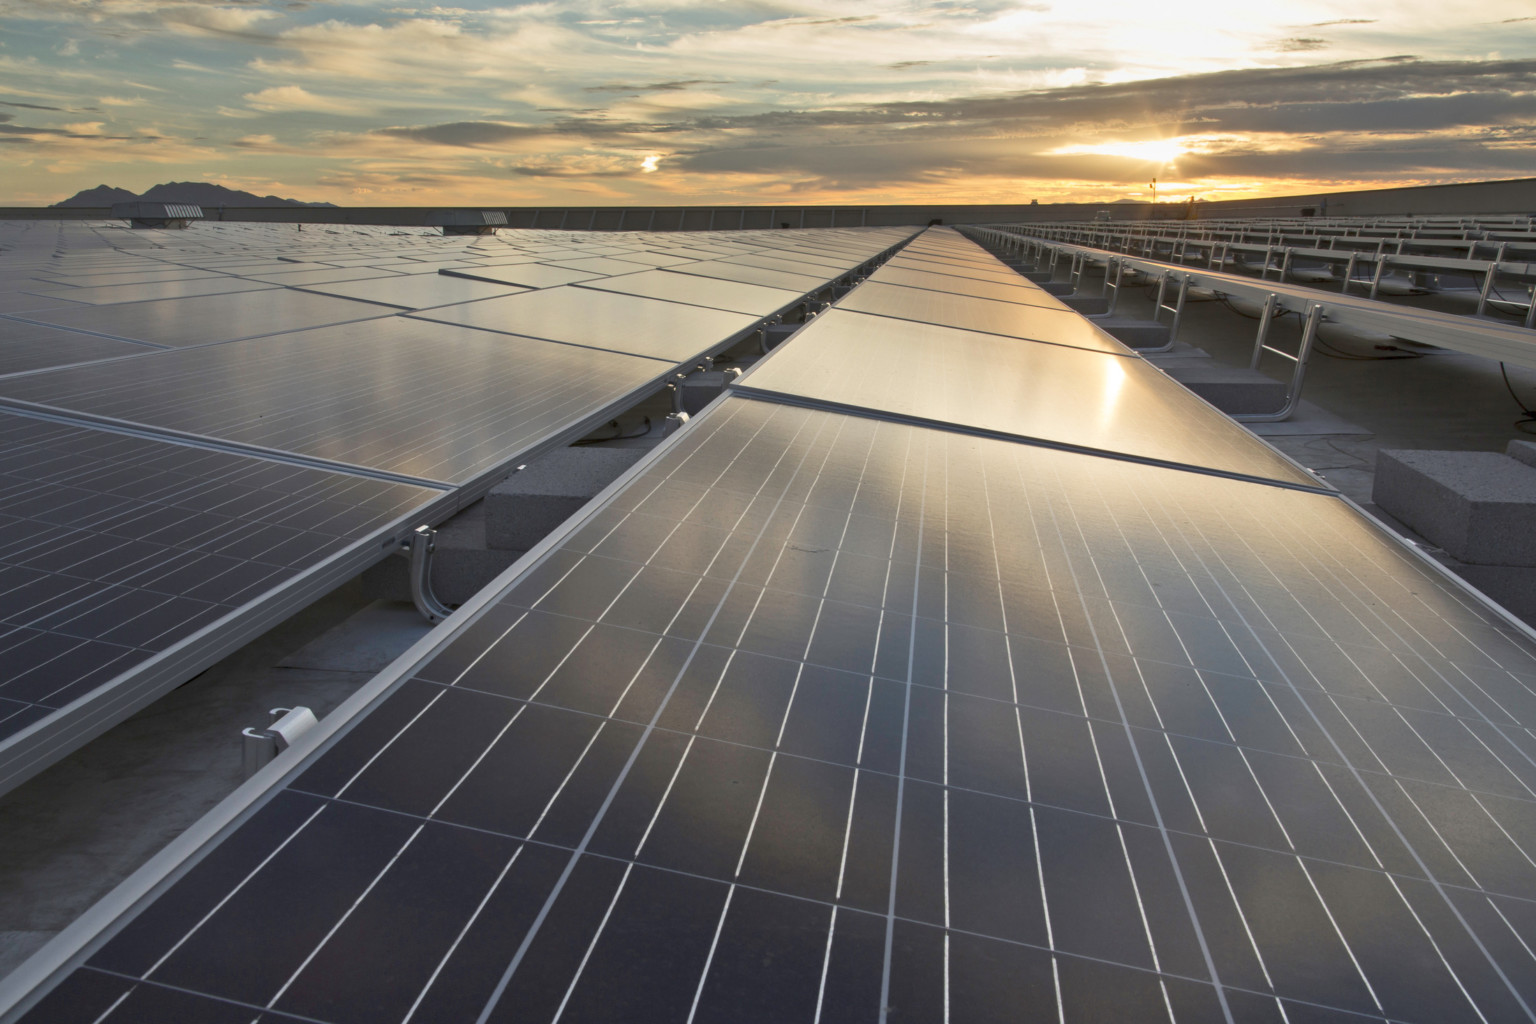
{"type": "Point", "coordinates": [1113, 380]}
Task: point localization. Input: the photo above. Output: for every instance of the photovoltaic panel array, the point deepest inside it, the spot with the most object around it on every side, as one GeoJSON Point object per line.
{"type": "Point", "coordinates": [237, 353]}
{"type": "Point", "coordinates": [829, 715]}
{"type": "Point", "coordinates": [114, 549]}
{"type": "Point", "coordinates": [434, 402]}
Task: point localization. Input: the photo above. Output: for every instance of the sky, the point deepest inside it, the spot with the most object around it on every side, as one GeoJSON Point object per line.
{"type": "Point", "coordinates": [392, 102]}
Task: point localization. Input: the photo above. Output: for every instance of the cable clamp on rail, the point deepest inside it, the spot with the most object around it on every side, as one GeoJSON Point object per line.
{"type": "Point", "coordinates": [260, 746]}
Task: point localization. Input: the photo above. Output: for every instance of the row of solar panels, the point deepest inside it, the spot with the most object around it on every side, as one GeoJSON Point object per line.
{"type": "Point", "coordinates": [954, 667]}
{"type": "Point", "coordinates": [182, 471]}
{"type": "Point", "coordinates": [1502, 340]}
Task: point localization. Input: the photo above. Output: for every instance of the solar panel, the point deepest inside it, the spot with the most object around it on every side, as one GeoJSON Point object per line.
{"type": "Point", "coordinates": [25, 346]}
{"type": "Point", "coordinates": [405, 400]}
{"type": "Point", "coordinates": [527, 275]}
{"type": "Point", "coordinates": [625, 323]}
{"type": "Point", "coordinates": [103, 277]}
{"type": "Point", "coordinates": [1001, 275]}
{"type": "Point", "coordinates": [1020, 291]}
{"type": "Point", "coordinates": [298, 275]}
{"type": "Point", "coordinates": [97, 295]}
{"type": "Point", "coordinates": [671, 258]}
{"type": "Point", "coordinates": [416, 291]}
{"type": "Point", "coordinates": [801, 281]}
{"type": "Point", "coordinates": [1059, 326]}
{"type": "Point", "coordinates": [22, 303]}
{"type": "Point", "coordinates": [196, 320]}
{"type": "Point", "coordinates": [115, 549]}
{"type": "Point", "coordinates": [822, 710]}
{"type": "Point", "coordinates": [1049, 393]}
{"type": "Point", "coordinates": [789, 262]}
{"type": "Point", "coordinates": [734, 296]}
{"type": "Point", "coordinates": [417, 399]}
{"type": "Point", "coordinates": [606, 265]}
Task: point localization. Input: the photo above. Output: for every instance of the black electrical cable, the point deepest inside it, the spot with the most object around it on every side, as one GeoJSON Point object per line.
{"type": "Point", "coordinates": [1512, 314]}
{"type": "Point", "coordinates": [1330, 350]}
{"type": "Point", "coordinates": [1341, 353]}
{"type": "Point", "coordinates": [617, 435]}
{"type": "Point", "coordinates": [1527, 423]}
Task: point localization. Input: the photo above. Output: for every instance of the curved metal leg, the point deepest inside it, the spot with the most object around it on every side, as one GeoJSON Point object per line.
{"type": "Point", "coordinates": [1298, 375]}
{"type": "Point", "coordinates": [420, 545]}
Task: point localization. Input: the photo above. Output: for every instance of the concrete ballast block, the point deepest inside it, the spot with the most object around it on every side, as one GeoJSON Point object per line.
{"type": "Point", "coordinates": [1087, 305]}
{"type": "Point", "coordinates": [1522, 451]}
{"type": "Point", "coordinates": [1479, 506]}
{"type": "Point", "coordinates": [1231, 389]}
{"type": "Point", "coordinates": [531, 503]}
{"type": "Point", "coordinates": [699, 389]}
{"type": "Point", "coordinates": [1135, 333]}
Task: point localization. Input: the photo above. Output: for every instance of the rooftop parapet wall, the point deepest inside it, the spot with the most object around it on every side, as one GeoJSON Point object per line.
{"type": "Point", "coordinates": [1479, 197]}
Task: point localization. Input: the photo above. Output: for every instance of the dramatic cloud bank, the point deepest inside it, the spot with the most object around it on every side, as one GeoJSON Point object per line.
{"type": "Point", "coordinates": [692, 101]}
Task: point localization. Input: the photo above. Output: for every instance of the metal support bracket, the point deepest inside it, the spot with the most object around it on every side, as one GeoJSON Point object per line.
{"type": "Point", "coordinates": [675, 385]}
{"type": "Point", "coordinates": [418, 547]}
{"type": "Point", "coordinates": [1298, 375]}
{"type": "Point", "coordinates": [1160, 306]}
{"type": "Point", "coordinates": [774, 334]}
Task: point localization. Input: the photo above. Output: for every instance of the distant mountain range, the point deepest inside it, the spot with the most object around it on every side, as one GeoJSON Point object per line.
{"type": "Point", "coordinates": [199, 193]}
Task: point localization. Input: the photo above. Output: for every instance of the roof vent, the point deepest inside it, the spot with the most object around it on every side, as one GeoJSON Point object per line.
{"type": "Point", "coordinates": [467, 222]}
{"type": "Point", "coordinates": [157, 215]}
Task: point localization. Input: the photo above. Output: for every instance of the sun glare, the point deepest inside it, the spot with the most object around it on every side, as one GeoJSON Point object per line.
{"type": "Point", "coordinates": [1151, 151]}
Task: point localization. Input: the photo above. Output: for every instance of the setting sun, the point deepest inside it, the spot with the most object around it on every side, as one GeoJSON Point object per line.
{"type": "Point", "coordinates": [1151, 151]}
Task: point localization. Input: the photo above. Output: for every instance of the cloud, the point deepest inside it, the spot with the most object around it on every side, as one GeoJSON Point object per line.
{"type": "Point", "coordinates": [582, 166]}
{"type": "Point", "coordinates": [702, 101]}
{"type": "Point", "coordinates": [88, 131]}
{"type": "Point", "coordinates": [432, 53]}
{"type": "Point", "coordinates": [853, 19]}
{"type": "Point", "coordinates": [466, 134]}
{"type": "Point", "coordinates": [29, 106]}
{"type": "Point", "coordinates": [1301, 44]}
{"type": "Point", "coordinates": [287, 98]}
{"type": "Point", "coordinates": [657, 86]}
{"type": "Point", "coordinates": [1269, 118]}
{"type": "Point", "coordinates": [130, 18]}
